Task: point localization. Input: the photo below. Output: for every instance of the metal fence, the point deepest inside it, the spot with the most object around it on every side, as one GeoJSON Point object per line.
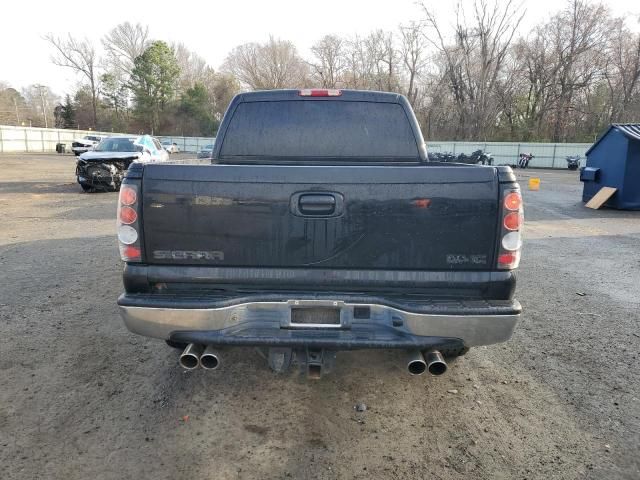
{"type": "Point", "coordinates": [548, 155]}
{"type": "Point", "coordinates": [41, 140]}
{"type": "Point", "coordinates": [33, 139]}
{"type": "Point", "coordinates": [189, 144]}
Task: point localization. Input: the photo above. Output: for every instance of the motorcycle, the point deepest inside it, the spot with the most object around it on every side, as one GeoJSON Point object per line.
{"type": "Point", "coordinates": [442, 157]}
{"type": "Point", "coordinates": [478, 156]}
{"type": "Point", "coordinates": [524, 160]}
{"type": "Point", "coordinates": [486, 158]}
{"type": "Point", "coordinates": [573, 162]}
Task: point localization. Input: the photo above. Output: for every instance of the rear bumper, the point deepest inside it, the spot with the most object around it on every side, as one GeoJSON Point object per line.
{"type": "Point", "coordinates": [449, 326]}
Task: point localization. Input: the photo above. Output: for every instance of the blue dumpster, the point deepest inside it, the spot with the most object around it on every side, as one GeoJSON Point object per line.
{"type": "Point", "coordinates": [614, 161]}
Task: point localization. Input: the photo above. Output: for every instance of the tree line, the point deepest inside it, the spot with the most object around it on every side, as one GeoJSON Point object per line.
{"type": "Point", "coordinates": [481, 77]}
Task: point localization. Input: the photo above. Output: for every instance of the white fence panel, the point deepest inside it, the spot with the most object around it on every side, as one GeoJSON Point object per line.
{"type": "Point", "coordinates": [548, 155]}
{"type": "Point", "coordinates": [34, 139]}
{"type": "Point", "coordinates": [189, 144]}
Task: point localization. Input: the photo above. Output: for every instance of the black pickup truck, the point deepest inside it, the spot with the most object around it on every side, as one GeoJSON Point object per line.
{"type": "Point", "coordinates": [319, 225]}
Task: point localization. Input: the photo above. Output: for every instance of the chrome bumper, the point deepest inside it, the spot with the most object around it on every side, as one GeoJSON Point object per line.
{"type": "Point", "coordinates": [473, 330]}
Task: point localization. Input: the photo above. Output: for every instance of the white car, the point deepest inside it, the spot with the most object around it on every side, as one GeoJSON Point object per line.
{"type": "Point", "coordinates": [86, 143]}
{"type": "Point", "coordinates": [170, 147]}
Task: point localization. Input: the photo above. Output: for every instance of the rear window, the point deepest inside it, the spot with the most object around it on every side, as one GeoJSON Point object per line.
{"type": "Point", "coordinates": [320, 129]}
{"type": "Point", "coordinates": [116, 144]}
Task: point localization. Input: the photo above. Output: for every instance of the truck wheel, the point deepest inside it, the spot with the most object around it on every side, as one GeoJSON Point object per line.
{"type": "Point", "coordinates": [178, 345]}
{"type": "Point", "coordinates": [85, 187]}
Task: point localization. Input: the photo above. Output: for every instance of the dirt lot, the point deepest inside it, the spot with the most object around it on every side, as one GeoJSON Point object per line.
{"type": "Point", "coordinates": [82, 398]}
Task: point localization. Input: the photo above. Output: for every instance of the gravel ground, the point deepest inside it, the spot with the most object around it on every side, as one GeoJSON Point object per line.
{"type": "Point", "coordinates": [81, 397]}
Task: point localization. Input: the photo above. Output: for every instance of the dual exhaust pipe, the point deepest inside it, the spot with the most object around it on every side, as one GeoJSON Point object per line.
{"type": "Point", "coordinates": [195, 356]}
{"type": "Point", "coordinates": [431, 361]}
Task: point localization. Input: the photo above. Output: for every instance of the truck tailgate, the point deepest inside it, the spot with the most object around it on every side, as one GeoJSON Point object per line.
{"type": "Point", "coordinates": [427, 217]}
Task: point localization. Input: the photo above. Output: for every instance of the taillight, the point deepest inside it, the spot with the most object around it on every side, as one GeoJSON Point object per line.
{"type": "Point", "coordinates": [510, 236]}
{"type": "Point", "coordinates": [315, 92]}
{"type": "Point", "coordinates": [128, 215]}
{"type": "Point", "coordinates": [128, 225]}
{"type": "Point", "coordinates": [513, 201]}
{"type": "Point", "coordinates": [512, 221]}
{"type": "Point", "coordinates": [128, 195]}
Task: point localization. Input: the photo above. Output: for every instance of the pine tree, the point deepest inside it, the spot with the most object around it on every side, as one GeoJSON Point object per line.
{"type": "Point", "coordinates": [68, 113]}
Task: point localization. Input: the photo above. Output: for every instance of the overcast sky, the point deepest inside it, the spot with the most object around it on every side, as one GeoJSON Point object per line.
{"type": "Point", "coordinates": [209, 28]}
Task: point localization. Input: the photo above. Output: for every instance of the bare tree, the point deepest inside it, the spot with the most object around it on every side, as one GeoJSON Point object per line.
{"type": "Point", "coordinates": [81, 57]}
{"type": "Point", "coordinates": [389, 57]}
{"type": "Point", "coordinates": [13, 108]}
{"type": "Point", "coordinates": [221, 89]}
{"type": "Point", "coordinates": [40, 102]}
{"type": "Point", "coordinates": [356, 63]}
{"type": "Point", "coordinates": [622, 71]}
{"type": "Point", "coordinates": [193, 68]}
{"type": "Point", "coordinates": [274, 64]}
{"type": "Point", "coordinates": [474, 58]}
{"type": "Point", "coordinates": [329, 61]}
{"type": "Point", "coordinates": [578, 34]}
{"type": "Point", "coordinates": [412, 51]}
{"type": "Point", "coordinates": [123, 44]}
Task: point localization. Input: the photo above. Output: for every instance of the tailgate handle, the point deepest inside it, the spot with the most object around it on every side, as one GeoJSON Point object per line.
{"type": "Point", "coordinates": [315, 204]}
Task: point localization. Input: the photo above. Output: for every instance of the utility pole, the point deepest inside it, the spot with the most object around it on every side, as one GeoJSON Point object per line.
{"type": "Point", "coordinates": [44, 108]}
{"type": "Point", "coordinates": [15, 104]}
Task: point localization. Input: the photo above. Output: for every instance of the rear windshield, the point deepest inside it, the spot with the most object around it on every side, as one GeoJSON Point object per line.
{"type": "Point", "coordinates": [320, 129]}
{"type": "Point", "coordinates": [117, 144]}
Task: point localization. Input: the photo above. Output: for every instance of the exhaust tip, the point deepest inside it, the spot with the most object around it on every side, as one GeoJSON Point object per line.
{"type": "Point", "coordinates": [435, 363]}
{"type": "Point", "coordinates": [415, 363]}
{"type": "Point", "coordinates": [190, 358]}
{"type": "Point", "coordinates": [416, 367]}
{"type": "Point", "coordinates": [437, 368]}
{"type": "Point", "coordinates": [210, 359]}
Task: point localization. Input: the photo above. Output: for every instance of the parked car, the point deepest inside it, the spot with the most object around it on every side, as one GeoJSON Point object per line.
{"type": "Point", "coordinates": [325, 229]}
{"type": "Point", "coordinates": [86, 143]}
{"type": "Point", "coordinates": [104, 167]}
{"type": "Point", "coordinates": [170, 147]}
{"type": "Point", "coordinates": [206, 151]}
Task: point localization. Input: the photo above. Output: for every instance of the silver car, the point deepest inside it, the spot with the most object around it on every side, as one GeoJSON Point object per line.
{"type": "Point", "coordinates": [206, 151]}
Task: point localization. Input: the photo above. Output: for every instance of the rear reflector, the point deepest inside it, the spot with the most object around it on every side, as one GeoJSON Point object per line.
{"type": "Point", "coordinates": [508, 259]}
{"type": "Point", "coordinates": [319, 93]}
{"type": "Point", "coordinates": [129, 253]}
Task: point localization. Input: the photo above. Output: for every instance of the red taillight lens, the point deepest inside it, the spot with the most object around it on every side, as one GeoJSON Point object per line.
{"type": "Point", "coordinates": [128, 215]}
{"type": "Point", "coordinates": [513, 201]}
{"type": "Point", "coordinates": [129, 253]}
{"type": "Point", "coordinates": [314, 92]}
{"type": "Point", "coordinates": [512, 221]}
{"type": "Point", "coordinates": [128, 196]}
{"type": "Point", "coordinates": [508, 260]}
